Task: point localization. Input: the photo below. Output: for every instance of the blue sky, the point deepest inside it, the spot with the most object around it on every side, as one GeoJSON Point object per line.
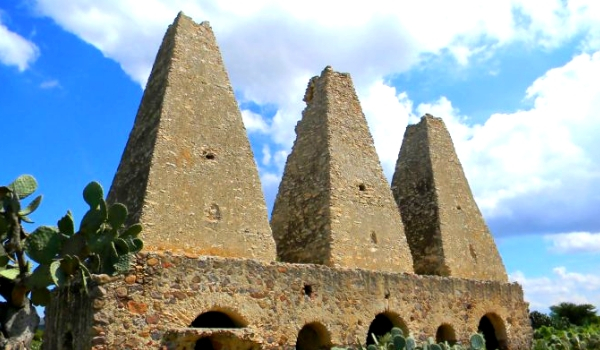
{"type": "Point", "coordinates": [515, 81]}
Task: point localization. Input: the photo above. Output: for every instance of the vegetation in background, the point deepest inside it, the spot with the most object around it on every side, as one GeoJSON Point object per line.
{"type": "Point", "coordinates": [568, 327]}
{"type": "Point", "coordinates": [55, 256]}
{"type": "Point", "coordinates": [576, 314]}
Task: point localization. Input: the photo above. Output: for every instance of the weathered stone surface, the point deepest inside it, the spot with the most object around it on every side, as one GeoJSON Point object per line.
{"type": "Point", "coordinates": [334, 205]}
{"type": "Point", "coordinates": [444, 227]}
{"type": "Point", "coordinates": [271, 304]}
{"type": "Point", "coordinates": [188, 173]}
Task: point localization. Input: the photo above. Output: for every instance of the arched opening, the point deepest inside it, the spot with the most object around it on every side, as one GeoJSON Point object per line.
{"type": "Point", "coordinates": [204, 344]}
{"type": "Point", "coordinates": [493, 330]}
{"type": "Point", "coordinates": [219, 319]}
{"type": "Point", "coordinates": [313, 336]}
{"type": "Point", "coordinates": [383, 323]}
{"type": "Point", "coordinates": [445, 333]}
{"type": "Point", "coordinates": [216, 318]}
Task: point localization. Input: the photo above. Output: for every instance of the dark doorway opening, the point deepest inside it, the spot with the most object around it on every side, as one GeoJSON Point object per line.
{"type": "Point", "coordinates": [445, 333]}
{"type": "Point", "coordinates": [204, 344]}
{"type": "Point", "coordinates": [383, 323]}
{"type": "Point", "coordinates": [68, 343]}
{"type": "Point", "coordinates": [492, 328]}
{"type": "Point", "coordinates": [313, 336]}
{"type": "Point", "coordinates": [216, 319]}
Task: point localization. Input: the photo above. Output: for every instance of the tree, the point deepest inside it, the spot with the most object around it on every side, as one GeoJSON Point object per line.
{"type": "Point", "coordinates": [55, 256]}
{"type": "Point", "coordinates": [577, 314]}
{"type": "Point", "coordinates": [539, 319]}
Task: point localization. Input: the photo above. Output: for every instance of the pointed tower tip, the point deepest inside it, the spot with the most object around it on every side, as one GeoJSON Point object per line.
{"type": "Point", "coordinates": [328, 77]}
{"type": "Point", "coordinates": [427, 118]}
{"type": "Point", "coordinates": [182, 16]}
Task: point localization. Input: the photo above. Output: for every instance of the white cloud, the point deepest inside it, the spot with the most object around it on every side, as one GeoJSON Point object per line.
{"type": "Point", "coordinates": [266, 158]}
{"type": "Point", "coordinates": [270, 185]}
{"type": "Point", "coordinates": [271, 48]}
{"type": "Point", "coordinates": [50, 84]}
{"type": "Point", "coordinates": [525, 167]}
{"type": "Point", "coordinates": [254, 122]}
{"type": "Point", "coordinates": [536, 169]}
{"type": "Point", "coordinates": [16, 50]}
{"type": "Point", "coordinates": [574, 242]}
{"type": "Point", "coordinates": [561, 286]}
{"type": "Point", "coordinates": [387, 112]}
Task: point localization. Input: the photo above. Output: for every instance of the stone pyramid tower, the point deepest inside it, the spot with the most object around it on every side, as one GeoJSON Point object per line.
{"type": "Point", "coordinates": [334, 205]}
{"type": "Point", "coordinates": [444, 227]}
{"type": "Point", "coordinates": [188, 173]}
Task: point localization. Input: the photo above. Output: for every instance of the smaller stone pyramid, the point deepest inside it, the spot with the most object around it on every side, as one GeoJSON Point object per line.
{"type": "Point", "coordinates": [188, 173]}
{"type": "Point", "coordinates": [444, 227]}
{"type": "Point", "coordinates": [334, 205]}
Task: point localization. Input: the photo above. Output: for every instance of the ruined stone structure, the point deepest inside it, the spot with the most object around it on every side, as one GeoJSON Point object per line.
{"type": "Point", "coordinates": [208, 277]}
{"type": "Point", "coordinates": [334, 206]}
{"type": "Point", "coordinates": [444, 227]}
{"type": "Point", "coordinates": [188, 165]}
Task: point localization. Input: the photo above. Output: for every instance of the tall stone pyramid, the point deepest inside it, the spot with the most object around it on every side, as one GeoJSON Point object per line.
{"type": "Point", "coordinates": [334, 205]}
{"type": "Point", "coordinates": [444, 227]}
{"type": "Point", "coordinates": [188, 173]}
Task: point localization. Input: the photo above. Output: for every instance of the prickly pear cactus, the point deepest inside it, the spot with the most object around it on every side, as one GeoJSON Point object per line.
{"type": "Point", "coordinates": [410, 343]}
{"type": "Point", "coordinates": [477, 342]}
{"type": "Point", "coordinates": [399, 342]}
{"type": "Point", "coordinates": [101, 246]}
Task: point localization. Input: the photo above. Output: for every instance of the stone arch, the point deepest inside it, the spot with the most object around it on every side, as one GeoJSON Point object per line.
{"type": "Point", "coordinates": [383, 323]}
{"type": "Point", "coordinates": [313, 336]}
{"type": "Point", "coordinates": [445, 333]}
{"type": "Point", "coordinates": [219, 318]}
{"type": "Point", "coordinates": [494, 331]}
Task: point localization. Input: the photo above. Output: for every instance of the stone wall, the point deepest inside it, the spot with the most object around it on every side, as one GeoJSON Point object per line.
{"type": "Point", "coordinates": [155, 306]}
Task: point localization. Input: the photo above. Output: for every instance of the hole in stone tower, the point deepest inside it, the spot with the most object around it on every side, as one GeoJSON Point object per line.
{"type": "Point", "coordinates": [373, 237]}
{"type": "Point", "coordinates": [494, 332]}
{"type": "Point", "coordinates": [209, 156]}
{"type": "Point", "coordinates": [214, 212]}
{"type": "Point", "coordinates": [218, 319]}
{"type": "Point", "coordinates": [313, 336]}
{"type": "Point", "coordinates": [458, 207]}
{"type": "Point", "coordinates": [308, 290]}
{"type": "Point", "coordinates": [472, 252]}
{"type": "Point", "coordinates": [383, 323]}
{"type": "Point", "coordinates": [446, 333]}
{"type": "Point", "coordinates": [362, 187]}
{"type": "Point", "coordinates": [68, 341]}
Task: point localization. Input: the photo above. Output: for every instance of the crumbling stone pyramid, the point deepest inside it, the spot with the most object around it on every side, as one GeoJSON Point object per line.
{"type": "Point", "coordinates": [334, 205]}
{"type": "Point", "coordinates": [444, 227]}
{"type": "Point", "coordinates": [188, 173]}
